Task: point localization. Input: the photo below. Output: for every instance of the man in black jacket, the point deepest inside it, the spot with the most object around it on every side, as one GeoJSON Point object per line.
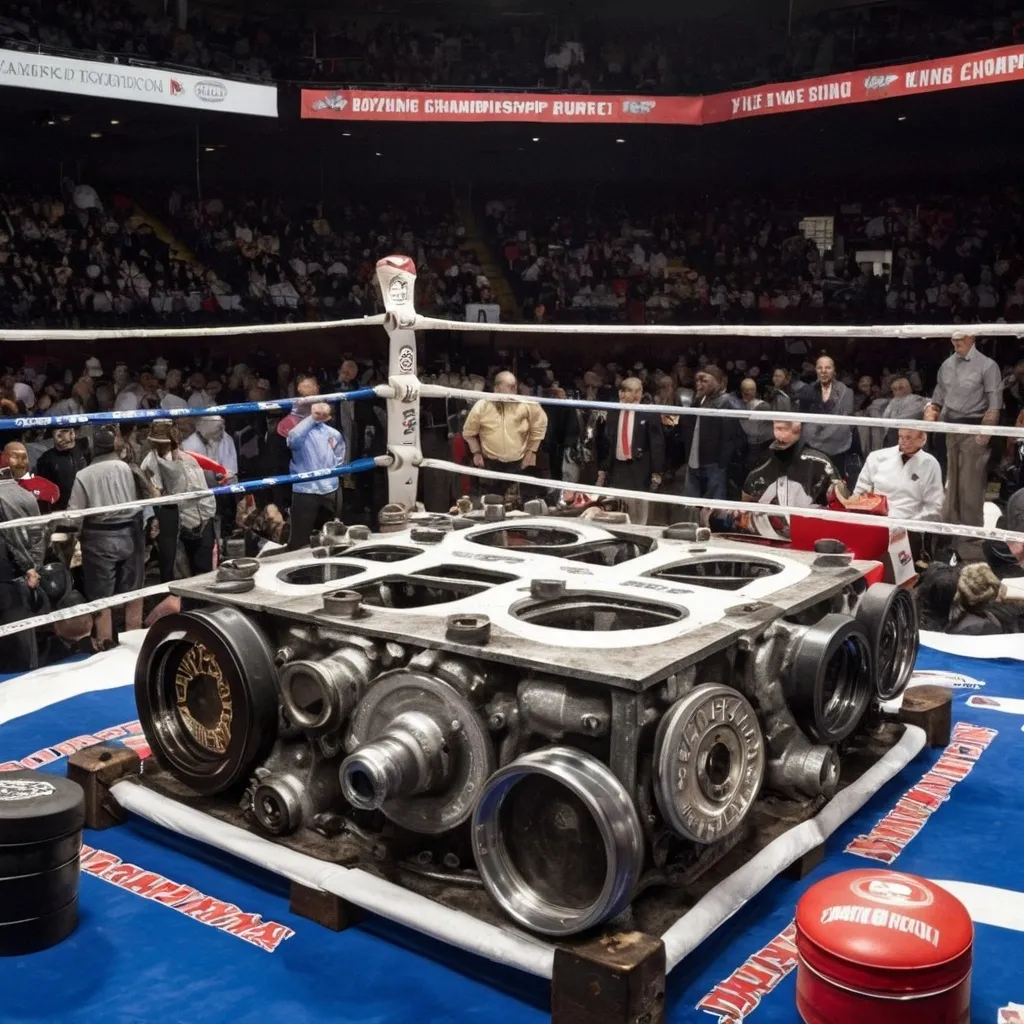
{"type": "Point", "coordinates": [61, 463]}
{"type": "Point", "coordinates": [634, 456]}
{"type": "Point", "coordinates": [711, 441]}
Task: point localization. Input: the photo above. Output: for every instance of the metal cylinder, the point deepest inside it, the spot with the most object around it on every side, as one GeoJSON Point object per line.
{"type": "Point", "coordinates": [558, 841]}
{"type": "Point", "coordinates": [805, 770]}
{"type": "Point", "coordinates": [319, 695]}
{"type": "Point", "coordinates": [393, 518]}
{"type": "Point", "coordinates": [410, 757]}
{"type": "Point", "coordinates": [279, 804]}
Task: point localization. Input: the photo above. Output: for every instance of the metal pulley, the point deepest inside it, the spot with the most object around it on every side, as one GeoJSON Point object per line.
{"type": "Point", "coordinates": [709, 763]}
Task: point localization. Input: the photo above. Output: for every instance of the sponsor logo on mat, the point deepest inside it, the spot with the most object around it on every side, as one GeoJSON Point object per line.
{"type": "Point", "coordinates": [950, 680]}
{"type": "Point", "coordinates": [128, 733]}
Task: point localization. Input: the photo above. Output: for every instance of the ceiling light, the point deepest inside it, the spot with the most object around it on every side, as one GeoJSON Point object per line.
{"type": "Point", "coordinates": [95, 135]}
{"type": "Point", "coordinates": [376, 154]}
{"type": "Point", "coordinates": [346, 135]}
{"type": "Point", "coordinates": [115, 121]}
{"type": "Point", "coordinates": [208, 149]}
{"type": "Point", "coordinates": [902, 117]}
{"type": "Point", "coordinates": [50, 120]}
{"type": "Point", "coordinates": [620, 140]}
{"type": "Point", "coordinates": [535, 139]}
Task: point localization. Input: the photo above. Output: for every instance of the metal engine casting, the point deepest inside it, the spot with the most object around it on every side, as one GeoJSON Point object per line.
{"type": "Point", "coordinates": [567, 711]}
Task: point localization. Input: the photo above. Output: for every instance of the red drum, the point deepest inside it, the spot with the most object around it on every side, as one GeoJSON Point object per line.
{"type": "Point", "coordinates": [885, 948]}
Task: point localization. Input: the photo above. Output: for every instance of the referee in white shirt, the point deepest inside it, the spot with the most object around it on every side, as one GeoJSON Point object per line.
{"type": "Point", "coordinates": [910, 479]}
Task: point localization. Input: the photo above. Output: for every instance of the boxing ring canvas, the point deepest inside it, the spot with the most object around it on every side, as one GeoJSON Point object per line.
{"type": "Point", "coordinates": [215, 939]}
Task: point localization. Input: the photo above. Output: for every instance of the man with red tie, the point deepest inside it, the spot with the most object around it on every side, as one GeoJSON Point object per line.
{"type": "Point", "coordinates": [634, 456]}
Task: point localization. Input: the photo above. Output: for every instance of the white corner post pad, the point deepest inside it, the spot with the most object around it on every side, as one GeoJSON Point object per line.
{"type": "Point", "coordinates": [396, 276]}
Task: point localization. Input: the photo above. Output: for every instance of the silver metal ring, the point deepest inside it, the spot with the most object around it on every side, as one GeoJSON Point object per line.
{"type": "Point", "coordinates": [582, 799]}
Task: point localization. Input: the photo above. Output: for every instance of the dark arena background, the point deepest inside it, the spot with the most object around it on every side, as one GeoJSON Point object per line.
{"type": "Point", "coordinates": [733, 212]}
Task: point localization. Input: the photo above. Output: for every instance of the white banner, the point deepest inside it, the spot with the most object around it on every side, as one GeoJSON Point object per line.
{"type": "Point", "coordinates": [141, 84]}
{"type": "Point", "coordinates": [483, 313]}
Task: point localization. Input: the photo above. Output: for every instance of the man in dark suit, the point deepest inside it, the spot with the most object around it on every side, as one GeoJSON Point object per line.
{"type": "Point", "coordinates": [634, 456]}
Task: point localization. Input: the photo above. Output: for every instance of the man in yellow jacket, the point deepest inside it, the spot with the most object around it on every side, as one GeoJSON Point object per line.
{"type": "Point", "coordinates": [505, 436]}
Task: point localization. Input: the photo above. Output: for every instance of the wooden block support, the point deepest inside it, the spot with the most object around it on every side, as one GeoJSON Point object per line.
{"type": "Point", "coordinates": [931, 708]}
{"type": "Point", "coordinates": [803, 866]}
{"type": "Point", "coordinates": [96, 769]}
{"type": "Point", "coordinates": [325, 908]}
{"type": "Point", "coordinates": [615, 979]}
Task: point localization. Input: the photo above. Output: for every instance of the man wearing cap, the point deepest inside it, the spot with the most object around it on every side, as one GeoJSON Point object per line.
{"type": "Point", "coordinates": [113, 548]}
{"type": "Point", "coordinates": [969, 389]}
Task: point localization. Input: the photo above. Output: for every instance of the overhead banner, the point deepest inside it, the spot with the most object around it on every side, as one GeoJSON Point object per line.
{"type": "Point", "coordinates": [541, 108]}
{"type": "Point", "coordinates": [74, 77]}
{"type": "Point", "coordinates": [988, 67]}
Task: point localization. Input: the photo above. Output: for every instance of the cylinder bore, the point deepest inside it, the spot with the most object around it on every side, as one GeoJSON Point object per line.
{"type": "Point", "coordinates": [830, 680]}
{"type": "Point", "coordinates": [888, 615]}
{"type": "Point", "coordinates": [558, 841]}
{"type": "Point", "coordinates": [318, 695]}
{"type": "Point", "coordinates": [206, 691]}
{"type": "Point", "coordinates": [709, 759]}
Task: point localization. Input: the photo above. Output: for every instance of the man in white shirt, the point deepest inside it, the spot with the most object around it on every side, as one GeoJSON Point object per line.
{"type": "Point", "coordinates": [909, 477]}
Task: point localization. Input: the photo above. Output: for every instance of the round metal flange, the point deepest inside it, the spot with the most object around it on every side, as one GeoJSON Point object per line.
{"type": "Point", "coordinates": [278, 804]}
{"type": "Point", "coordinates": [346, 604]}
{"type": "Point", "coordinates": [558, 841]}
{"type": "Point", "coordinates": [206, 691]}
{"type": "Point", "coordinates": [239, 586]}
{"type": "Point", "coordinates": [238, 569]}
{"type": "Point", "coordinates": [830, 681]}
{"type": "Point", "coordinates": [709, 763]}
{"type": "Point", "coordinates": [888, 615]}
{"type": "Point", "coordinates": [469, 755]}
{"type": "Point", "coordinates": [317, 695]}
{"type": "Point", "coordinates": [426, 535]}
{"type": "Point", "coordinates": [547, 589]}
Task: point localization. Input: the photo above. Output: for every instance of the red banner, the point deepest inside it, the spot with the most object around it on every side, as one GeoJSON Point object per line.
{"type": "Point", "coordinates": [543, 108]}
{"type": "Point", "coordinates": [986, 68]}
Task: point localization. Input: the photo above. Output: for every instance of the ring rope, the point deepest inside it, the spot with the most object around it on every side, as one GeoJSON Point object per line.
{"type": "Point", "coordinates": [428, 323]}
{"type": "Point", "coordinates": [349, 469]}
{"type": "Point", "coordinates": [99, 605]}
{"type": "Point", "coordinates": [115, 333]}
{"type": "Point", "coordinates": [813, 512]}
{"type": "Point", "coordinates": [875, 422]}
{"type": "Point", "coordinates": [145, 415]}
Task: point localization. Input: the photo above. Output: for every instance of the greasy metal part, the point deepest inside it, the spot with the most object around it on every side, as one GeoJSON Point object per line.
{"type": "Point", "coordinates": [345, 604]}
{"type": "Point", "coordinates": [468, 629]}
{"type": "Point", "coordinates": [426, 535]}
{"type": "Point", "coordinates": [790, 752]}
{"type": "Point", "coordinates": [393, 518]}
{"type": "Point", "coordinates": [829, 682]}
{"type": "Point", "coordinates": [553, 709]}
{"type": "Point", "coordinates": [442, 746]}
{"type": "Point", "coordinates": [319, 695]}
{"type": "Point", "coordinates": [889, 617]}
{"type": "Point", "coordinates": [558, 841]}
{"type": "Point", "coordinates": [709, 762]}
{"type": "Point", "coordinates": [293, 789]}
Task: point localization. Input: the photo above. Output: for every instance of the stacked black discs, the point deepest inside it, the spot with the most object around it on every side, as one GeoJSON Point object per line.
{"type": "Point", "coordinates": [41, 820]}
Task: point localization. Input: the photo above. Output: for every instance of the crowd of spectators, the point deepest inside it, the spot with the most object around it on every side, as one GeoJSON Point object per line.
{"type": "Point", "coordinates": [667, 258]}
{"type": "Point", "coordinates": [693, 54]}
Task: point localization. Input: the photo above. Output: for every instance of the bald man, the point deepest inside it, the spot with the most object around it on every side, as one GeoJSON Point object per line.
{"type": "Point", "coordinates": [16, 457]}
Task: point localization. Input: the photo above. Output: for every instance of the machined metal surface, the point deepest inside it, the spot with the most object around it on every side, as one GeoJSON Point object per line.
{"type": "Point", "coordinates": [586, 708]}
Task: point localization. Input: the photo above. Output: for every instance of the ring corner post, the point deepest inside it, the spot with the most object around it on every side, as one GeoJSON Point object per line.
{"type": "Point", "coordinates": [396, 276]}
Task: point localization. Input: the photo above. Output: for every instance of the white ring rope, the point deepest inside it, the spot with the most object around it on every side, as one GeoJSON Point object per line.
{"type": "Point", "coordinates": [116, 333]}
{"type": "Point", "coordinates": [99, 605]}
{"type": "Point", "coordinates": [872, 422]}
{"type": "Point", "coordinates": [813, 512]}
{"type": "Point", "coordinates": [428, 323]}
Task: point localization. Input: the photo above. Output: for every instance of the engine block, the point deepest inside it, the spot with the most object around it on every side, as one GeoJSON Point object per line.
{"type": "Point", "coordinates": [582, 709]}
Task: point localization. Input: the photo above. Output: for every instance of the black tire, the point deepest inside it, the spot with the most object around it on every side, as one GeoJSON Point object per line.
{"type": "Point", "coordinates": [207, 694]}
{"type": "Point", "coordinates": [888, 615]}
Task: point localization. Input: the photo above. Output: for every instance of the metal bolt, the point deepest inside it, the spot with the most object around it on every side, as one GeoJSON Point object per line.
{"type": "Point", "coordinates": [451, 861]}
{"type": "Point", "coordinates": [424, 857]}
{"type": "Point", "coordinates": [590, 722]}
{"type": "Point", "coordinates": [496, 721]}
{"type": "Point", "coordinates": [456, 725]}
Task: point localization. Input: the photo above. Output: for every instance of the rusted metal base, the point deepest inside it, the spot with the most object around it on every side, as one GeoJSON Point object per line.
{"type": "Point", "coordinates": [931, 708]}
{"type": "Point", "coordinates": [323, 907]}
{"type": "Point", "coordinates": [96, 769]}
{"type": "Point", "coordinates": [615, 979]}
{"type": "Point", "coordinates": [804, 865]}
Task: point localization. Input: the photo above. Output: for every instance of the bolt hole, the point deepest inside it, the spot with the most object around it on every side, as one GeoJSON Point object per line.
{"type": "Point", "coordinates": [106, 755]}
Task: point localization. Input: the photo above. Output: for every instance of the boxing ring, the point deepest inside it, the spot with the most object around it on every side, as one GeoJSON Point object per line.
{"type": "Point", "coordinates": [704, 949]}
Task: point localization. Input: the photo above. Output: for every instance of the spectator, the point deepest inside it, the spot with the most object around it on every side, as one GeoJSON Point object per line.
{"type": "Point", "coordinates": [980, 607]}
{"type": "Point", "coordinates": [909, 478]}
{"type": "Point", "coordinates": [314, 445]}
{"type": "Point", "coordinates": [758, 433]}
{"type": "Point", "coordinates": [505, 436]}
{"type": "Point", "coordinates": [969, 390]}
{"type": "Point", "coordinates": [113, 549]}
{"type": "Point", "coordinates": [831, 396]}
{"type": "Point", "coordinates": [634, 457]}
{"type": "Point", "coordinates": [904, 405]}
{"type": "Point", "coordinates": [210, 440]}
{"type": "Point", "coordinates": [62, 463]}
